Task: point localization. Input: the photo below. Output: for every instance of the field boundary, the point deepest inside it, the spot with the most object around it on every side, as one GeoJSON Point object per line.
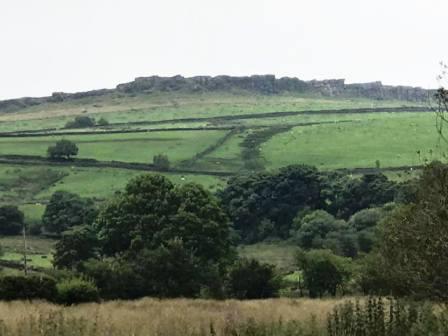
{"type": "Point", "coordinates": [210, 149]}
{"type": "Point", "coordinates": [31, 160]}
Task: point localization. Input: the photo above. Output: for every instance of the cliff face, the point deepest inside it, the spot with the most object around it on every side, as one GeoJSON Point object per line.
{"type": "Point", "coordinates": [260, 84]}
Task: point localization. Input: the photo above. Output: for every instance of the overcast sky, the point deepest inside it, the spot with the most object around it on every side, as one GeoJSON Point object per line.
{"type": "Point", "coordinates": [77, 45]}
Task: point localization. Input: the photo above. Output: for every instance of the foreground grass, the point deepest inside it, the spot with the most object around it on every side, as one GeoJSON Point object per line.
{"type": "Point", "coordinates": [149, 317]}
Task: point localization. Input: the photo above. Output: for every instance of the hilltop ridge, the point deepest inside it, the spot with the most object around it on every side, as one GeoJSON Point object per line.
{"type": "Point", "coordinates": [259, 84]}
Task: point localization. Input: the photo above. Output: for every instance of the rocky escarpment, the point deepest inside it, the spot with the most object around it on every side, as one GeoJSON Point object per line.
{"type": "Point", "coordinates": [259, 84]}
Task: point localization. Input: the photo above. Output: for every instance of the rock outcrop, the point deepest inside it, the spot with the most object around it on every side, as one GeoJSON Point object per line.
{"type": "Point", "coordinates": [258, 84]}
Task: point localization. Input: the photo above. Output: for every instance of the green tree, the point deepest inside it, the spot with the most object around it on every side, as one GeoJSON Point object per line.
{"type": "Point", "coordinates": [11, 220]}
{"type": "Point", "coordinates": [323, 272]}
{"type": "Point", "coordinates": [161, 162]}
{"type": "Point", "coordinates": [414, 239]}
{"type": "Point", "coordinates": [66, 210]}
{"type": "Point", "coordinates": [250, 279]}
{"type": "Point", "coordinates": [64, 149]}
{"type": "Point", "coordinates": [152, 211]}
{"type": "Point", "coordinates": [76, 245]}
{"type": "Point", "coordinates": [171, 270]}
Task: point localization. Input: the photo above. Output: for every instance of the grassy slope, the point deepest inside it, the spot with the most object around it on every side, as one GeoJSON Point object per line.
{"type": "Point", "coordinates": [162, 106]}
{"type": "Point", "coordinates": [393, 139]}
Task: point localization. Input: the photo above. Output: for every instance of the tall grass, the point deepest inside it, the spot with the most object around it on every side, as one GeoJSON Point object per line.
{"type": "Point", "coordinates": [182, 317]}
{"type": "Point", "coordinates": [179, 317]}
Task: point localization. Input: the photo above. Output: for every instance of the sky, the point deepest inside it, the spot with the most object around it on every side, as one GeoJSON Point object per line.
{"type": "Point", "coordinates": [78, 45]}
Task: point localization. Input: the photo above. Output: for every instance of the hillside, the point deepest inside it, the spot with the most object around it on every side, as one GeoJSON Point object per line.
{"type": "Point", "coordinates": [210, 128]}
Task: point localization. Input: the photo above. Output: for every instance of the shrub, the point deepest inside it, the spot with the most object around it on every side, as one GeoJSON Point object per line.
{"type": "Point", "coordinates": [76, 290]}
{"type": "Point", "coordinates": [250, 279]}
{"type": "Point", "coordinates": [323, 271]}
{"type": "Point", "coordinates": [161, 162]}
{"type": "Point", "coordinates": [27, 288]}
{"type": "Point", "coordinates": [81, 122]}
{"type": "Point", "coordinates": [102, 122]}
{"type": "Point", "coordinates": [11, 220]}
{"type": "Point", "coordinates": [34, 228]}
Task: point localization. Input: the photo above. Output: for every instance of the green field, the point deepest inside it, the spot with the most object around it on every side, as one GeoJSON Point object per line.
{"type": "Point", "coordinates": [395, 140]}
{"type": "Point", "coordinates": [134, 147]}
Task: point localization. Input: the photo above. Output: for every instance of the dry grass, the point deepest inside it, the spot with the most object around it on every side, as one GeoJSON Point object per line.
{"type": "Point", "coordinates": [156, 317]}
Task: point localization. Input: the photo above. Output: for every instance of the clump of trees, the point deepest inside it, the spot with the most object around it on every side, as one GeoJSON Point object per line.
{"type": "Point", "coordinates": [63, 149]}
{"type": "Point", "coordinates": [158, 239]}
{"type": "Point", "coordinates": [165, 240]}
{"type": "Point", "coordinates": [267, 205]}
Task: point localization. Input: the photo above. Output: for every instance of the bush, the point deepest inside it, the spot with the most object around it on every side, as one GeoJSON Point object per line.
{"type": "Point", "coordinates": [27, 288]}
{"type": "Point", "coordinates": [250, 279]}
{"type": "Point", "coordinates": [34, 228]}
{"type": "Point", "coordinates": [81, 122]}
{"type": "Point", "coordinates": [11, 220]}
{"type": "Point", "coordinates": [102, 122]}
{"type": "Point", "coordinates": [161, 162]}
{"type": "Point", "coordinates": [323, 271]}
{"type": "Point", "coordinates": [76, 290]}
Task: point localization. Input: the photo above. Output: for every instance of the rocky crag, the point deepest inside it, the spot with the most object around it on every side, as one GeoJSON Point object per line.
{"type": "Point", "coordinates": [258, 84]}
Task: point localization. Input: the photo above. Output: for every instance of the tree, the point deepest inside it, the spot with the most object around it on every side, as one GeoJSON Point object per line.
{"type": "Point", "coordinates": [63, 149]}
{"type": "Point", "coordinates": [323, 272]}
{"type": "Point", "coordinates": [161, 162]}
{"type": "Point", "coordinates": [66, 210]}
{"type": "Point", "coordinates": [76, 245]}
{"type": "Point", "coordinates": [81, 122]}
{"type": "Point", "coordinates": [414, 239]}
{"type": "Point", "coordinates": [152, 211]}
{"type": "Point", "coordinates": [11, 220]}
{"type": "Point", "coordinates": [250, 279]}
